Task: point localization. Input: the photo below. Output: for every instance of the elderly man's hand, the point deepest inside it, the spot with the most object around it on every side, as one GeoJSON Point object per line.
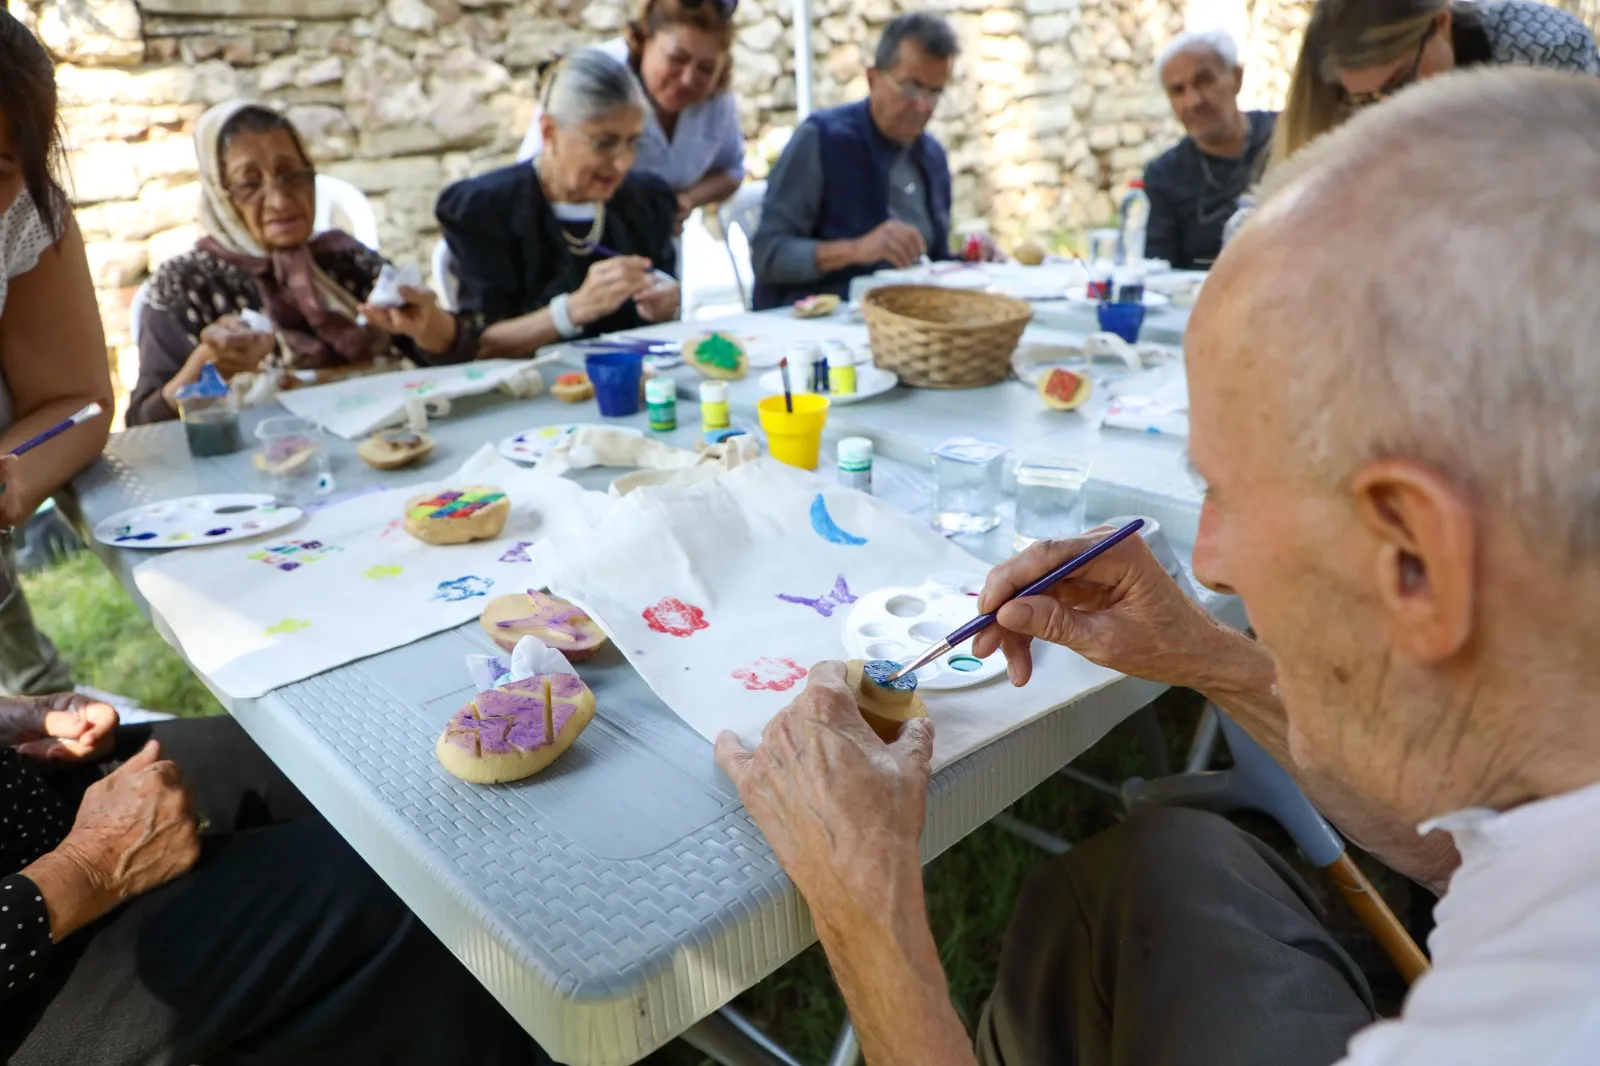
{"type": "Point", "coordinates": [842, 810]}
{"type": "Point", "coordinates": [63, 728]}
{"type": "Point", "coordinates": [1122, 611]}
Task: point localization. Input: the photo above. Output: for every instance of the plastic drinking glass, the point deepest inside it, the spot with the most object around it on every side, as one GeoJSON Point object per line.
{"type": "Point", "coordinates": [968, 477]}
{"type": "Point", "coordinates": [1049, 498]}
{"type": "Point", "coordinates": [794, 437]}
{"type": "Point", "coordinates": [292, 453]}
{"type": "Point", "coordinates": [615, 377]}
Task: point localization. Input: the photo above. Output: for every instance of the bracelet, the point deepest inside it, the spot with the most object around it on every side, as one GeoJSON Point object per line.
{"type": "Point", "coordinates": [562, 319]}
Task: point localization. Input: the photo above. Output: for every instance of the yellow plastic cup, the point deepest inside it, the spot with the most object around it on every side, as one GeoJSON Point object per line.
{"type": "Point", "coordinates": [794, 437]}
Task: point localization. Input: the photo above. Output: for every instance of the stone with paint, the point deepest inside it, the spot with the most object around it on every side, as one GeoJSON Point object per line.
{"type": "Point", "coordinates": [457, 516]}
{"type": "Point", "coordinates": [717, 355]}
{"type": "Point", "coordinates": [555, 621]}
{"type": "Point", "coordinates": [573, 387]}
{"type": "Point", "coordinates": [885, 707]}
{"type": "Point", "coordinates": [390, 449]}
{"type": "Point", "coordinates": [516, 730]}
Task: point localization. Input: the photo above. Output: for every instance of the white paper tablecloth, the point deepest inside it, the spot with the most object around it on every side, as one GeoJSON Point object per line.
{"type": "Point", "coordinates": [723, 593]}
{"type": "Point", "coordinates": [345, 582]}
{"type": "Point", "coordinates": [357, 406]}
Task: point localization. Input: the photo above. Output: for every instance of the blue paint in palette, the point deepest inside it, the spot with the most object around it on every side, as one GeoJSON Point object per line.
{"type": "Point", "coordinates": [146, 535]}
{"type": "Point", "coordinates": [219, 531]}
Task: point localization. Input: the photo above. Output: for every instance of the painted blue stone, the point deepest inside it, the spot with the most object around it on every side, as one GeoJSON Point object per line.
{"type": "Point", "coordinates": [878, 670]}
{"type": "Point", "coordinates": [826, 528]}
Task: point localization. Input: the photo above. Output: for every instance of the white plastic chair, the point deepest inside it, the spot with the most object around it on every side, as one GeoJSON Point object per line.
{"type": "Point", "coordinates": [136, 311]}
{"type": "Point", "coordinates": [740, 216]}
{"type": "Point", "coordinates": [335, 195]}
{"type": "Point", "coordinates": [445, 282]}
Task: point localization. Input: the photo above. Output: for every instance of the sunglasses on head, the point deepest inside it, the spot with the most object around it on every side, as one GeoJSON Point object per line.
{"type": "Point", "coordinates": [727, 7]}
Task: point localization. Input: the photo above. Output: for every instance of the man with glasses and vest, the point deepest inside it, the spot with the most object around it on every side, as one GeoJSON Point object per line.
{"type": "Point", "coordinates": [863, 186]}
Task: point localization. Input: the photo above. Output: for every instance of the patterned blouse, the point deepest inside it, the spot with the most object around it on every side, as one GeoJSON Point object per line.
{"type": "Point", "coordinates": [195, 289]}
{"type": "Point", "coordinates": [1518, 33]}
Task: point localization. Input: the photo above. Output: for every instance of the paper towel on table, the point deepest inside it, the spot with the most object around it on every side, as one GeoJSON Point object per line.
{"type": "Point", "coordinates": [530, 656]}
{"type": "Point", "coordinates": [357, 406]}
{"type": "Point", "coordinates": [345, 582]}
{"type": "Point", "coordinates": [723, 592]}
{"type": "Point", "coordinates": [655, 463]}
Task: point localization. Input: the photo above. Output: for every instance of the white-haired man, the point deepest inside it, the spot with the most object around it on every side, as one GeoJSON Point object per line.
{"type": "Point", "coordinates": [1402, 488]}
{"type": "Point", "coordinates": [1194, 186]}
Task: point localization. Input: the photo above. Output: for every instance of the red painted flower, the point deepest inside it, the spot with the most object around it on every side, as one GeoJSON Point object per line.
{"type": "Point", "coordinates": [675, 618]}
{"type": "Point", "coordinates": [773, 675]}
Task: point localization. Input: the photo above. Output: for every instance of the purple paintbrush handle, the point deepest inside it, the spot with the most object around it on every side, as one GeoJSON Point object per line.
{"type": "Point", "coordinates": [1066, 569]}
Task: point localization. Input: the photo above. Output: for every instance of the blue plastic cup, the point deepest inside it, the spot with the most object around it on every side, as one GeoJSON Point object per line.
{"type": "Point", "coordinates": [615, 377]}
{"type": "Point", "coordinates": [1123, 319]}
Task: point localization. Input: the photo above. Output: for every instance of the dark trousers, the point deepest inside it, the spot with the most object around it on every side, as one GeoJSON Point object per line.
{"type": "Point", "coordinates": [1174, 939]}
{"type": "Point", "coordinates": [280, 947]}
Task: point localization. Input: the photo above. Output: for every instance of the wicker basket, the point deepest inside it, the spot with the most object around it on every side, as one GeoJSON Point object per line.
{"type": "Point", "coordinates": [944, 338]}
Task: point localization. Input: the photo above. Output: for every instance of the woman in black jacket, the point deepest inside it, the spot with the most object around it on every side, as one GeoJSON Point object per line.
{"type": "Point", "coordinates": [572, 245]}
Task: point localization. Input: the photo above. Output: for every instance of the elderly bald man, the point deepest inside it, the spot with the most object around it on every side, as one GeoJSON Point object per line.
{"type": "Point", "coordinates": [1194, 186]}
{"type": "Point", "coordinates": [1403, 489]}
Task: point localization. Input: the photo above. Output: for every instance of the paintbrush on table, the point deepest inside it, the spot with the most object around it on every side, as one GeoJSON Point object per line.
{"type": "Point", "coordinates": [984, 621]}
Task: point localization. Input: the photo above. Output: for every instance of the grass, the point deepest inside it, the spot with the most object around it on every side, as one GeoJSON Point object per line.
{"type": "Point", "coordinates": [971, 888]}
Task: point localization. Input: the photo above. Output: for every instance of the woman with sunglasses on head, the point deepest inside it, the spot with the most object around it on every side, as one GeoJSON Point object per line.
{"type": "Point", "coordinates": [1357, 52]}
{"type": "Point", "coordinates": [679, 51]}
{"type": "Point", "coordinates": [574, 245]}
{"type": "Point", "coordinates": [258, 205]}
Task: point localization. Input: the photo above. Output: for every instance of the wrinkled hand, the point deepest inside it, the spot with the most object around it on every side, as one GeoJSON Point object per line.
{"type": "Point", "coordinates": [419, 318]}
{"type": "Point", "coordinates": [135, 829]}
{"type": "Point", "coordinates": [1122, 611]}
{"type": "Point", "coordinates": [13, 512]}
{"type": "Point", "coordinates": [839, 807]}
{"type": "Point", "coordinates": [234, 347]}
{"type": "Point", "coordinates": [658, 303]}
{"type": "Point", "coordinates": [608, 285]}
{"type": "Point", "coordinates": [63, 728]}
{"type": "Point", "coordinates": [893, 242]}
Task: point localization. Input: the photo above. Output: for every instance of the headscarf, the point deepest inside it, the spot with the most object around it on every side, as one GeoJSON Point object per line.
{"type": "Point", "coordinates": [315, 316]}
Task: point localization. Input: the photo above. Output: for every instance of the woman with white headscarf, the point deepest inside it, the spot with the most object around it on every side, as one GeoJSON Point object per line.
{"type": "Point", "coordinates": [259, 253]}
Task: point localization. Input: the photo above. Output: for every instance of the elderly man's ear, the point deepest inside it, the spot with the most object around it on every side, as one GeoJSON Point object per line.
{"type": "Point", "coordinates": [1424, 542]}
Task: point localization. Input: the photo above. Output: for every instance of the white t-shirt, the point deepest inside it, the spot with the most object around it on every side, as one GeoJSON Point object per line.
{"type": "Point", "coordinates": [1516, 951]}
{"type": "Point", "coordinates": [23, 239]}
{"type": "Point", "coordinates": [705, 138]}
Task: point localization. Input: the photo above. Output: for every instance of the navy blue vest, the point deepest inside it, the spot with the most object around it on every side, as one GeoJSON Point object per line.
{"type": "Point", "coordinates": [856, 160]}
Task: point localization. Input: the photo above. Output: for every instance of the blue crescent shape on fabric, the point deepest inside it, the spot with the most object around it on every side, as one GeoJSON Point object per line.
{"type": "Point", "coordinates": [828, 529]}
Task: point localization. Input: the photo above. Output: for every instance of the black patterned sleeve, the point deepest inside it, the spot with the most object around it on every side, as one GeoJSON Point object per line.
{"type": "Point", "coordinates": [24, 935]}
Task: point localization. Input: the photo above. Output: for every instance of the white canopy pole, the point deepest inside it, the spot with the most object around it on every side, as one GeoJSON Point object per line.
{"type": "Point", "coordinates": [802, 57]}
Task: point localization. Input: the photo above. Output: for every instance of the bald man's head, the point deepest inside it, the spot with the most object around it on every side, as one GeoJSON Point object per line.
{"type": "Point", "coordinates": [1394, 381]}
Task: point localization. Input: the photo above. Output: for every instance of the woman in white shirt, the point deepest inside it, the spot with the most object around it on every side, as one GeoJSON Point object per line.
{"type": "Point", "coordinates": [52, 348]}
{"type": "Point", "coordinates": [680, 52]}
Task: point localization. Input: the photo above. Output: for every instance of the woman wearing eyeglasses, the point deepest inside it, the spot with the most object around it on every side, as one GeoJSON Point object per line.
{"type": "Point", "coordinates": [1356, 52]}
{"type": "Point", "coordinates": [576, 244]}
{"type": "Point", "coordinates": [258, 204]}
{"type": "Point", "coordinates": [679, 51]}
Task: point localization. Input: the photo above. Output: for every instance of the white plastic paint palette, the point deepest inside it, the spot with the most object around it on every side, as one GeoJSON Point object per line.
{"type": "Point", "coordinates": [900, 623]}
{"type": "Point", "coordinates": [531, 445]}
{"type": "Point", "coordinates": [191, 521]}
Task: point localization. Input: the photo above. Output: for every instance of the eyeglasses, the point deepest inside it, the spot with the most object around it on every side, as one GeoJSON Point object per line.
{"type": "Point", "coordinates": [606, 146]}
{"type": "Point", "coordinates": [912, 93]}
{"type": "Point", "coordinates": [246, 193]}
{"type": "Point", "coordinates": [1398, 81]}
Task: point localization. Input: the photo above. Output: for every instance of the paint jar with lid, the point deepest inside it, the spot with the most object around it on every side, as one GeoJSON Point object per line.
{"type": "Point", "coordinates": [855, 463]}
{"type": "Point", "coordinates": [713, 405]}
{"type": "Point", "coordinates": [661, 401]}
{"type": "Point", "coordinates": [841, 370]}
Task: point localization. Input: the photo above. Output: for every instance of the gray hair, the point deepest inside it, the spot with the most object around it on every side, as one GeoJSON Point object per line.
{"type": "Point", "coordinates": [930, 31]}
{"type": "Point", "coordinates": [587, 85]}
{"type": "Point", "coordinates": [1218, 43]}
{"type": "Point", "coordinates": [1452, 237]}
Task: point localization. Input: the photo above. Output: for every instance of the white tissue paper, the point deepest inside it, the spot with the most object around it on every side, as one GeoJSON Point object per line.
{"type": "Point", "coordinates": [257, 321]}
{"type": "Point", "coordinates": [530, 656]}
{"type": "Point", "coordinates": [391, 279]}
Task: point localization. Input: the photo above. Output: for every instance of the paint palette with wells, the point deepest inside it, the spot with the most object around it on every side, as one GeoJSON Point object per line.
{"type": "Point", "coordinates": [190, 521]}
{"type": "Point", "coordinates": [898, 623]}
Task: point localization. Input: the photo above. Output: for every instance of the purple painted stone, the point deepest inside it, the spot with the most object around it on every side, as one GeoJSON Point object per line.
{"type": "Point", "coordinates": [511, 718]}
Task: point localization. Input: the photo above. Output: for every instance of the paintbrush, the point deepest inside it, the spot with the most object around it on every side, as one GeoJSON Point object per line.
{"type": "Point", "coordinates": [56, 430]}
{"type": "Point", "coordinates": [984, 621]}
{"type": "Point", "coordinates": [788, 397]}
{"type": "Point", "coordinates": [600, 251]}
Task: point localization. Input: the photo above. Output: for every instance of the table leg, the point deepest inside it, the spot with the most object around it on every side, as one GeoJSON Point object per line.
{"type": "Point", "coordinates": [731, 1039]}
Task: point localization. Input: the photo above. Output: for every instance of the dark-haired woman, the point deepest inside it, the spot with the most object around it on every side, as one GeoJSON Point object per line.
{"type": "Point", "coordinates": [679, 50]}
{"type": "Point", "coordinates": [258, 204]}
{"type": "Point", "coordinates": [52, 349]}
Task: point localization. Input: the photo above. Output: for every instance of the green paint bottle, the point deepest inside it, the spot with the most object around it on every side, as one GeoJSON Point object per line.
{"type": "Point", "coordinates": [661, 401]}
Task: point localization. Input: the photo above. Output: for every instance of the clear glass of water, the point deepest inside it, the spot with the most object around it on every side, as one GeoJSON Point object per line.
{"type": "Point", "coordinates": [1049, 498]}
{"type": "Point", "coordinates": [967, 476]}
{"type": "Point", "coordinates": [293, 455]}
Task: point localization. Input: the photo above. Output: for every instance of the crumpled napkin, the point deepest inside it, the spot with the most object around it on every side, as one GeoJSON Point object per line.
{"type": "Point", "coordinates": [655, 463]}
{"type": "Point", "coordinates": [530, 656]}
